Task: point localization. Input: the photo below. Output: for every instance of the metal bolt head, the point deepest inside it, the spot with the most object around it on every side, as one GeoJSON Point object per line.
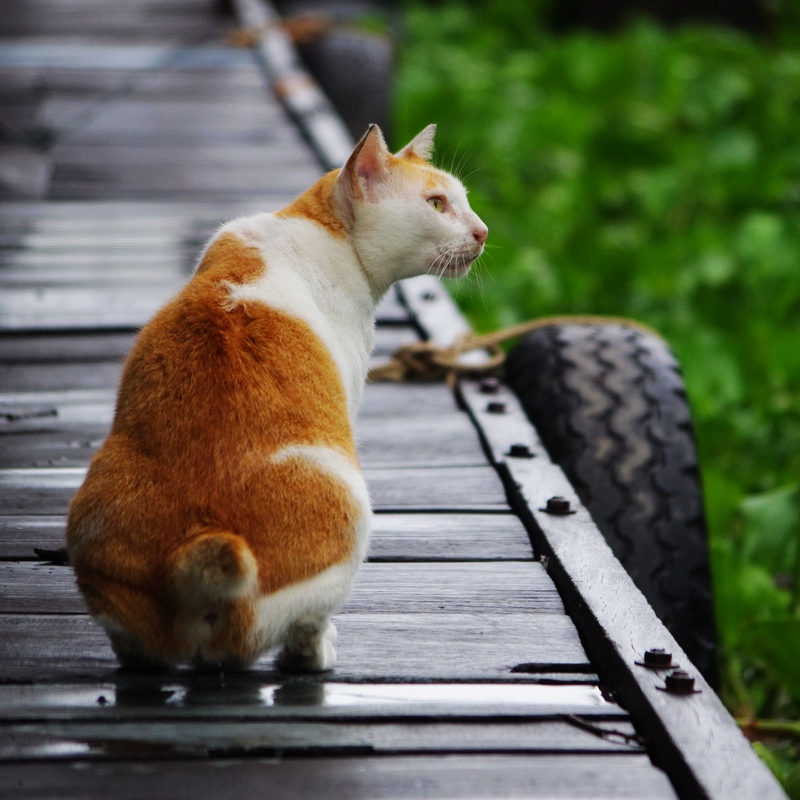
{"type": "Point", "coordinates": [490, 386]}
{"type": "Point", "coordinates": [658, 657]}
{"type": "Point", "coordinates": [558, 505]}
{"type": "Point", "coordinates": [518, 450]}
{"type": "Point", "coordinates": [496, 407]}
{"type": "Point", "coordinates": [679, 682]}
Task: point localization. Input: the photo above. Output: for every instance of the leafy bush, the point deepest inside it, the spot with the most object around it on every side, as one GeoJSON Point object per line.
{"type": "Point", "coordinates": [655, 175]}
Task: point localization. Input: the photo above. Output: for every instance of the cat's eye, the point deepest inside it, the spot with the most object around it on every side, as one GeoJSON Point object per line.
{"type": "Point", "coordinates": [436, 203]}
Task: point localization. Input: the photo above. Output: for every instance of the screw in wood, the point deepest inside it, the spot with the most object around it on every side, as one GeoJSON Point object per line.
{"type": "Point", "coordinates": [496, 407]}
{"type": "Point", "coordinates": [558, 505]}
{"type": "Point", "coordinates": [657, 658]}
{"type": "Point", "coordinates": [490, 386]}
{"type": "Point", "coordinates": [679, 682]}
{"type": "Point", "coordinates": [518, 450]}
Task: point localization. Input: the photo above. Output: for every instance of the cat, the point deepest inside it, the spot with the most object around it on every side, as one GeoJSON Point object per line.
{"type": "Point", "coordinates": [226, 514]}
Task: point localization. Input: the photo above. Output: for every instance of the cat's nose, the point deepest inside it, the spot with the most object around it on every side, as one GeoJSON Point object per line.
{"type": "Point", "coordinates": [480, 233]}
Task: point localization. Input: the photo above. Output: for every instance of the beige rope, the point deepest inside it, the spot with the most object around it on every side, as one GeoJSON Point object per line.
{"type": "Point", "coordinates": [425, 361]}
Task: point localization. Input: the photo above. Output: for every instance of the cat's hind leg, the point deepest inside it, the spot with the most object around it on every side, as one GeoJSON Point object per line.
{"type": "Point", "coordinates": [309, 646]}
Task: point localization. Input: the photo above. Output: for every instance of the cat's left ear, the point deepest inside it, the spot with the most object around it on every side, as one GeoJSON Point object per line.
{"type": "Point", "coordinates": [421, 145]}
{"type": "Point", "coordinates": [367, 166]}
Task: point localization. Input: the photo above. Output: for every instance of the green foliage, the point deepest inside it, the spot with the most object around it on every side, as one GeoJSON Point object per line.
{"type": "Point", "coordinates": [655, 175]}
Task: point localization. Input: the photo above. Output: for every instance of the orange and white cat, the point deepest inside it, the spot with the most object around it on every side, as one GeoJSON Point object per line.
{"type": "Point", "coordinates": [226, 513]}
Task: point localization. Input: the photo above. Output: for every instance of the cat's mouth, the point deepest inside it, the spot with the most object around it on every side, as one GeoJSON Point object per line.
{"type": "Point", "coordinates": [456, 264]}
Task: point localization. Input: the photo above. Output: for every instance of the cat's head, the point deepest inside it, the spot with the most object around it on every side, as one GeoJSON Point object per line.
{"type": "Point", "coordinates": [404, 216]}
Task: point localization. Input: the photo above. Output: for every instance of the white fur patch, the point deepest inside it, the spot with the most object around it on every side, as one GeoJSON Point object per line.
{"type": "Point", "coordinates": [317, 279]}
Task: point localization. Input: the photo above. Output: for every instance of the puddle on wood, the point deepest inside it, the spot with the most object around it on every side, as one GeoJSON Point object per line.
{"type": "Point", "coordinates": [342, 694]}
{"type": "Point", "coordinates": [307, 694]}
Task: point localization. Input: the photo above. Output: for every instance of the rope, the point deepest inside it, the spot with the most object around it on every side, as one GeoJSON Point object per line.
{"type": "Point", "coordinates": [425, 361]}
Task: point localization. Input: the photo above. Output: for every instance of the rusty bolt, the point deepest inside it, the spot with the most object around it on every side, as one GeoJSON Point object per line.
{"type": "Point", "coordinates": [518, 450]}
{"type": "Point", "coordinates": [558, 505]}
{"type": "Point", "coordinates": [496, 407]}
{"type": "Point", "coordinates": [679, 682]}
{"type": "Point", "coordinates": [658, 658]}
{"type": "Point", "coordinates": [490, 386]}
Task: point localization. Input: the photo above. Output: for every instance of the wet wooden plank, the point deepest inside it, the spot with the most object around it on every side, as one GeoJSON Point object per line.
{"type": "Point", "coordinates": [185, 695]}
{"type": "Point", "coordinates": [467, 777]}
{"type": "Point", "coordinates": [219, 739]}
{"type": "Point", "coordinates": [395, 537]}
{"type": "Point", "coordinates": [383, 647]}
{"type": "Point", "coordinates": [48, 491]}
{"type": "Point", "coordinates": [448, 588]}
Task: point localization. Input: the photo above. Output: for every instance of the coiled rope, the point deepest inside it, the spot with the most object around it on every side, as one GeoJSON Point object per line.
{"type": "Point", "coordinates": [426, 361]}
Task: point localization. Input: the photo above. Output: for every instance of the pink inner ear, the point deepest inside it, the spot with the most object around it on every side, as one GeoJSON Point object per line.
{"type": "Point", "coordinates": [371, 161]}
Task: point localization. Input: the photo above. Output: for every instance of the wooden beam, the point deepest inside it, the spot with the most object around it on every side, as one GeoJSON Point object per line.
{"type": "Point", "coordinates": [692, 736]}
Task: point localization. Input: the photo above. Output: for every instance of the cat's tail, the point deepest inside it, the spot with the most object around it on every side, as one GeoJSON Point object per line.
{"type": "Point", "coordinates": [212, 567]}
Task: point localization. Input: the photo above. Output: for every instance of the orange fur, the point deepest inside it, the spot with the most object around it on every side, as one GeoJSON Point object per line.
{"type": "Point", "coordinates": [208, 395]}
{"type": "Point", "coordinates": [317, 205]}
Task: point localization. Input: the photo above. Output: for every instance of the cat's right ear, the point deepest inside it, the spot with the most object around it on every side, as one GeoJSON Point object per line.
{"type": "Point", "coordinates": [421, 145]}
{"type": "Point", "coordinates": [367, 166]}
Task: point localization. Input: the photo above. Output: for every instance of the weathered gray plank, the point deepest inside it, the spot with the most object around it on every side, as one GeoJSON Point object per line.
{"type": "Point", "coordinates": [487, 777]}
{"type": "Point", "coordinates": [446, 537]}
{"type": "Point", "coordinates": [395, 537]}
{"type": "Point", "coordinates": [146, 19]}
{"type": "Point", "coordinates": [19, 535]}
{"type": "Point", "coordinates": [220, 739]}
{"type": "Point", "coordinates": [381, 400]}
{"type": "Point", "coordinates": [400, 647]}
{"type": "Point", "coordinates": [448, 588]}
{"type": "Point", "coordinates": [48, 491]}
{"type": "Point", "coordinates": [67, 346]}
{"type": "Point", "coordinates": [35, 377]}
{"type": "Point", "coordinates": [40, 438]}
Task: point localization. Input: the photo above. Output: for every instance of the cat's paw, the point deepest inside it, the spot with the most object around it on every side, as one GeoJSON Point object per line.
{"type": "Point", "coordinates": [308, 650]}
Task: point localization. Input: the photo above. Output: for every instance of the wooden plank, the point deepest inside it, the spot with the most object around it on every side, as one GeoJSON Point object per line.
{"type": "Point", "coordinates": [693, 735]}
{"type": "Point", "coordinates": [448, 588]}
{"type": "Point", "coordinates": [43, 308]}
{"type": "Point", "coordinates": [384, 647]}
{"type": "Point", "coordinates": [395, 537]}
{"type": "Point", "coordinates": [38, 437]}
{"type": "Point", "coordinates": [220, 739]}
{"type": "Point", "coordinates": [388, 778]}
{"type": "Point", "coordinates": [48, 491]}
{"type": "Point", "coordinates": [182, 18]}
{"type": "Point", "coordinates": [447, 537]}
{"type": "Point", "coordinates": [29, 378]}
{"type": "Point", "coordinates": [19, 535]}
{"type": "Point", "coordinates": [255, 696]}
{"type": "Point", "coordinates": [69, 346]}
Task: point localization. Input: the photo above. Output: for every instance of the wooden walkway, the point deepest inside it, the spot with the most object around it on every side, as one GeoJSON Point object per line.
{"type": "Point", "coordinates": [129, 130]}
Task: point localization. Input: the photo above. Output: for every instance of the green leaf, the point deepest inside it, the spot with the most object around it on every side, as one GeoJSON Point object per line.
{"type": "Point", "coordinates": [769, 758]}
{"type": "Point", "coordinates": [770, 529]}
{"type": "Point", "coordinates": [776, 644]}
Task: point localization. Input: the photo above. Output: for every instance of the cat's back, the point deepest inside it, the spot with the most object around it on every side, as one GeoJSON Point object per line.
{"type": "Point", "coordinates": [237, 353]}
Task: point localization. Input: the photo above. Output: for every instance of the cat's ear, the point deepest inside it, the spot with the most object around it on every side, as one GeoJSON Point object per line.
{"type": "Point", "coordinates": [367, 166]}
{"type": "Point", "coordinates": [421, 145]}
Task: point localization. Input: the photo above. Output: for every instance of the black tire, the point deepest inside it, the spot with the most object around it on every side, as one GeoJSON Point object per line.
{"type": "Point", "coordinates": [610, 406]}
